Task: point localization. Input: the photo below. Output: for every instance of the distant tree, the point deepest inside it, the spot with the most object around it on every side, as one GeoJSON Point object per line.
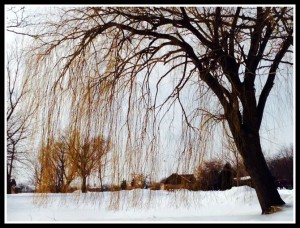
{"type": "Point", "coordinates": [207, 175]}
{"type": "Point", "coordinates": [55, 170]}
{"type": "Point", "coordinates": [22, 187]}
{"type": "Point", "coordinates": [146, 182]}
{"type": "Point", "coordinates": [281, 166]}
{"type": "Point", "coordinates": [65, 169]}
{"type": "Point", "coordinates": [138, 180]}
{"type": "Point", "coordinates": [61, 160]}
{"type": "Point", "coordinates": [123, 185]}
{"type": "Point", "coordinates": [47, 176]}
{"type": "Point", "coordinates": [86, 154]}
{"type": "Point", "coordinates": [17, 114]}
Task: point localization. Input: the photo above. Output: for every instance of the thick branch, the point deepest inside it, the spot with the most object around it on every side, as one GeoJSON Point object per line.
{"type": "Point", "coordinates": [253, 59]}
{"type": "Point", "coordinates": [270, 81]}
{"type": "Point", "coordinates": [232, 32]}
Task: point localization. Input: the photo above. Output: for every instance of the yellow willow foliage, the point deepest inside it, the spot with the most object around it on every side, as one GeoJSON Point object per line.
{"type": "Point", "coordinates": [68, 157]}
{"type": "Point", "coordinates": [47, 174]}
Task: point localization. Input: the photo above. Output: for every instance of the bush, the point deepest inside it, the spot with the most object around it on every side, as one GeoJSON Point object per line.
{"type": "Point", "coordinates": [207, 175]}
{"type": "Point", "coordinates": [123, 185]}
{"type": "Point", "coordinates": [155, 186]}
{"type": "Point", "coordinates": [226, 177]}
{"type": "Point", "coordinates": [281, 167]}
{"type": "Point", "coordinates": [114, 188]}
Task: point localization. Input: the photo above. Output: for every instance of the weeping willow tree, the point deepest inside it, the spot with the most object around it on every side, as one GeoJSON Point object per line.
{"type": "Point", "coordinates": [122, 72]}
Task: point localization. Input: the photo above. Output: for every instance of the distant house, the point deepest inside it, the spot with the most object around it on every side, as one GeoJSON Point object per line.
{"type": "Point", "coordinates": [176, 181]}
{"type": "Point", "coordinates": [243, 181]}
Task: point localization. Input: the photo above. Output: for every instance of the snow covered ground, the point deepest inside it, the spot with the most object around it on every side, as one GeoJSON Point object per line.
{"type": "Point", "coordinates": [238, 204]}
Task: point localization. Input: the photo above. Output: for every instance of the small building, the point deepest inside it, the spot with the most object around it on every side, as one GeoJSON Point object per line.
{"type": "Point", "coordinates": [177, 181]}
{"type": "Point", "coordinates": [243, 181]}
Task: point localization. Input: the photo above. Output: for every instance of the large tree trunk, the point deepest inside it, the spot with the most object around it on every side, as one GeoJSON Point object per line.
{"type": "Point", "coordinates": [257, 168]}
{"type": "Point", "coordinates": [245, 131]}
{"type": "Point", "coordinates": [83, 186]}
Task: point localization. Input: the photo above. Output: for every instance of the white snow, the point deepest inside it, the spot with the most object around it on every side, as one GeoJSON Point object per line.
{"type": "Point", "coordinates": [238, 204]}
{"type": "Point", "coordinates": [244, 178]}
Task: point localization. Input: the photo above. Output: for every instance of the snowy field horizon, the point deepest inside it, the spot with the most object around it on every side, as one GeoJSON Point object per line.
{"type": "Point", "coordinates": [239, 204]}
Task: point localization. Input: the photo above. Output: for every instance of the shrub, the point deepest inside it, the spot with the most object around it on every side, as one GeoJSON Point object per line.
{"type": "Point", "coordinates": [123, 185]}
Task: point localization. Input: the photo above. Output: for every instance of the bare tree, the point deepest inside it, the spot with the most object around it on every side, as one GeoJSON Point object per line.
{"type": "Point", "coordinates": [18, 112]}
{"type": "Point", "coordinates": [66, 170]}
{"type": "Point", "coordinates": [108, 55]}
{"type": "Point", "coordinates": [86, 154]}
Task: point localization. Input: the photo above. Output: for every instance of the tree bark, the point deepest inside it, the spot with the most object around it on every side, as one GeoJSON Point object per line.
{"type": "Point", "coordinates": [245, 131]}
{"type": "Point", "coordinates": [259, 172]}
{"type": "Point", "coordinates": [83, 186]}
{"type": "Point", "coordinates": [8, 186]}
{"type": "Point", "coordinates": [100, 178]}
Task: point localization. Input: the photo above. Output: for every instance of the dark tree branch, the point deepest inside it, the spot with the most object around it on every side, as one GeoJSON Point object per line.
{"type": "Point", "coordinates": [189, 26]}
{"type": "Point", "coordinates": [232, 32]}
{"type": "Point", "coordinates": [270, 81]}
